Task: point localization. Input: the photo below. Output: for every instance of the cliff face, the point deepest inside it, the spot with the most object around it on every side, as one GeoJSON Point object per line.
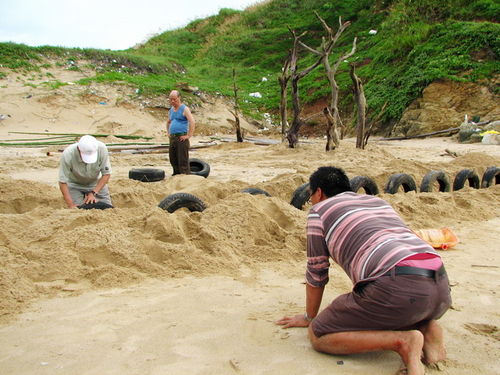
{"type": "Point", "coordinates": [444, 104]}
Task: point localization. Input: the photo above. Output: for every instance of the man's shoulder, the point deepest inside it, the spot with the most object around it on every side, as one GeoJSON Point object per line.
{"type": "Point", "coordinates": [70, 150]}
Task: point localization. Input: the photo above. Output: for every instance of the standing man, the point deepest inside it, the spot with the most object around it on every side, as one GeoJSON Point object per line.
{"type": "Point", "coordinates": [84, 172]}
{"type": "Point", "coordinates": [180, 127]}
{"type": "Point", "coordinates": [400, 284]}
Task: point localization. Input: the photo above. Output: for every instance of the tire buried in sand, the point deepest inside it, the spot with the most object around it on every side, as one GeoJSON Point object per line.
{"type": "Point", "coordinates": [95, 206]}
{"type": "Point", "coordinates": [431, 178]}
{"type": "Point", "coordinates": [182, 200]}
{"type": "Point", "coordinates": [300, 196]}
{"type": "Point", "coordinates": [256, 191]}
{"type": "Point", "coordinates": [490, 177]}
{"type": "Point", "coordinates": [364, 182]}
{"type": "Point", "coordinates": [466, 175]}
{"type": "Point", "coordinates": [199, 167]}
{"type": "Point", "coordinates": [400, 179]}
{"type": "Point", "coordinates": [146, 174]}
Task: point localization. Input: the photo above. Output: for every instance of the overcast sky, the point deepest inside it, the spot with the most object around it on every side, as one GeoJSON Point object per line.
{"type": "Point", "coordinates": [103, 24]}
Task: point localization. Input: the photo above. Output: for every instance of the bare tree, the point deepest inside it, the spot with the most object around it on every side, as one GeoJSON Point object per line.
{"type": "Point", "coordinates": [324, 52]}
{"type": "Point", "coordinates": [292, 134]}
{"type": "Point", "coordinates": [359, 95]}
{"type": "Point", "coordinates": [239, 137]}
{"type": "Point", "coordinates": [283, 81]}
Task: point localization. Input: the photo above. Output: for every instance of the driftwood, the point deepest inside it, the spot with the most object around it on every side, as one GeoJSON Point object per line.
{"type": "Point", "coordinates": [450, 130]}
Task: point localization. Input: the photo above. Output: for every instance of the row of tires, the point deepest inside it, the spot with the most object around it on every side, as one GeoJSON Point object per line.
{"type": "Point", "coordinates": [196, 167]}
{"type": "Point", "coordinates": [396, 181]}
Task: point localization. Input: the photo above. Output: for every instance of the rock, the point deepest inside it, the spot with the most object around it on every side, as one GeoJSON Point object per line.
{"type": "Point", "coordinates": [495, 125]}
{"type": "Point", "coordinates": [443, 105]}
{"type": "Point", "coordinates": [491, 139]}
{"type": "Point", "coordinates": [466, 131]}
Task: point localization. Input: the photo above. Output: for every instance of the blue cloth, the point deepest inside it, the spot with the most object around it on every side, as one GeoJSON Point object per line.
{"type": "Point", "coordinates": [178, 122]}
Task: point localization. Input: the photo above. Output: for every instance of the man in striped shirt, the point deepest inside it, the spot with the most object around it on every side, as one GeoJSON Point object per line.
{"type": "Point", "coordinates": [400, 285]}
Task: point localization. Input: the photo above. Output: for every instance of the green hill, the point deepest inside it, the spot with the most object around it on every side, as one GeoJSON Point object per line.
{"type": "Point", "coordinates": [416, 43]}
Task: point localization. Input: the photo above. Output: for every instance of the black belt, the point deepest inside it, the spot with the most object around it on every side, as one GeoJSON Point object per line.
{"type": "Point", "coordinates": [403, 270]}
{"type": "Point", "coordinates": [178, 134]}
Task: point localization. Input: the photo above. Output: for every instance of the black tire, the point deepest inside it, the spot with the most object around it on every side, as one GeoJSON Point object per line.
{"type": "Point", "coordinates": [199, 167]}
{"type": "Point", "coordinates": [364, 182]}
{"type": "Point", "coordinates": [96, 206]}
{"type": "Point", "coordinates": [300, 196]}
{"type": "Point", "coordinates": [146, 174]}
{"type": "Point", "coordinates": [400, 179]}
{"type": "Point", "coordinates": [431, 178]}
{"type": "Point", "coordinates": [256, 191]}
{"type": "Point", "coordinates": [466, 175]}
{"type": "Point", "coordinates": [490, 177]}
{"type": "Point", "coordinates": [179, 200]}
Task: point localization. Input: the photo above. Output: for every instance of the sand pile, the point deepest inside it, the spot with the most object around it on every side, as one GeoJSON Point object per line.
{"type": "Point", "coordinates": [47, 249]}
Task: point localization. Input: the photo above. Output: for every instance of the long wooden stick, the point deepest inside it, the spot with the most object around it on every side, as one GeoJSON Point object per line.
{"type": "Point", "coordinates": [450, 130]}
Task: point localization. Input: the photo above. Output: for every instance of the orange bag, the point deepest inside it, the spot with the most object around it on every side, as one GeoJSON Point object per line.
{"type": "Point", "coordinates": [442, 238]}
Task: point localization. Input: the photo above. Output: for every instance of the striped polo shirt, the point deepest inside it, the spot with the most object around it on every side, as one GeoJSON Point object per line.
{"type": "Point", "coordinates": [361, 233]}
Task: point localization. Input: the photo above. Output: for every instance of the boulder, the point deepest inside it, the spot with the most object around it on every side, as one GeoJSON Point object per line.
{"type": "Point", "coordinates": [443, 105]}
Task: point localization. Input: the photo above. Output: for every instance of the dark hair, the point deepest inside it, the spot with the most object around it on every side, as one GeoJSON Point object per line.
{"type": "Point", "coordinates": [331, 180]}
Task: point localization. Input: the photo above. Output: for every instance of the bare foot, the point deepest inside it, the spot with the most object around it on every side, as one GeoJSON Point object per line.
{"type": "Point", "coordinates": [434, 349]}
{"type": "Point", "coordinates": [410, 351]}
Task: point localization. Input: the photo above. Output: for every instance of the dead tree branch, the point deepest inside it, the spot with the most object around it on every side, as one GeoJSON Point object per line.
{"type": "Point", "coordinates": [292, 134]}
{"type": "Point", "coordinates": [325, 51]}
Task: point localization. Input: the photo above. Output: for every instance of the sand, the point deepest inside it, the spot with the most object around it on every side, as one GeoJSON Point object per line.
{"type": "Point", "coordinates": [136, 290]}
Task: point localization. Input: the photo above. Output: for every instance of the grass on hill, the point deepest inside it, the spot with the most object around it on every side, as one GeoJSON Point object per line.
{"type": "Point", "coordinates": [417, 42]}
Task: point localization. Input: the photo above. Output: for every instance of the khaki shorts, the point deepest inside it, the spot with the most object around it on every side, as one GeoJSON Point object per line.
{"type": "Point", "coordinates": [397, 302]}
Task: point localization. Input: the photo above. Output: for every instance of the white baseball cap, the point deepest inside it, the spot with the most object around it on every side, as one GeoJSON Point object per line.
{"type": "Point", "coordinates": [88, 149]}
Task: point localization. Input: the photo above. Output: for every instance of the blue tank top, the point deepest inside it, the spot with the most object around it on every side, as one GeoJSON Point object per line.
{"type": "Point", "coordinates": [179, 122]}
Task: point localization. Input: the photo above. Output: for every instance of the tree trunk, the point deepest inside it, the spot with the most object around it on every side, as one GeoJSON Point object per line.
{"type": "Point", "coordinates": [293, 132]}
{"type": "Point", "coordinates": [283, 81]}
{"type": "Point", "coordinates": [332, 137]}
{"type": "Point", "coordinates": [239, 137]}
{"type": "Point", "coordinates": [359, 96]}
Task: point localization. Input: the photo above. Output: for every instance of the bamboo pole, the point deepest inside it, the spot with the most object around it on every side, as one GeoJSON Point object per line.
{"type": "Point", "coordinates": [94, 135]}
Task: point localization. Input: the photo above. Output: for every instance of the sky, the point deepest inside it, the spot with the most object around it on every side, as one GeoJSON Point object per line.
{"type": "Point", "coordinates": [102, 24]}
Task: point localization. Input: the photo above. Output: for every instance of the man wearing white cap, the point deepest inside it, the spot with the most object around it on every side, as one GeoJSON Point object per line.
{"type": "Point", "coordinates": [84, 172]}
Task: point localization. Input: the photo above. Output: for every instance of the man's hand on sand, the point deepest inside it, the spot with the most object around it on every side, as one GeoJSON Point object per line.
{"type": "Point", "coordinates": [89, 198]}
{"type": "Point", "coordinates": [293, 321]}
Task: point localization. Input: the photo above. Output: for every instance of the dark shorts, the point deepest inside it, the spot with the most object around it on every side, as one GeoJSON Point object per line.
{"type": "Point", "coordinates": [388, 303]}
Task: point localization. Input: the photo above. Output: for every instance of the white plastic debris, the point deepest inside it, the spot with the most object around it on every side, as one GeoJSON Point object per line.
{"type": "Point", "coordinates": [255, 94]}
{"type": "Point", "coordinates": [372, 32]}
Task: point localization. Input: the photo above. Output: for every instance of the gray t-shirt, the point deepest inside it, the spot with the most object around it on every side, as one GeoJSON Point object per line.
{"type": "Point", "coordinates": [74, 172]}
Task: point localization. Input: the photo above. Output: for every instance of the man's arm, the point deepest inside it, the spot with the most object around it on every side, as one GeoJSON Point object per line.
{"type": "Point", "coordinates": [313, 302]}
{"type": "Point", "coordinates": [90, 198]}
{"type": "Point", "coordinates": [66, 195]}
{"type": "Point", "coordinates": [191, 124]}
{"type": "Point", "coordinates": [168, 126]}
